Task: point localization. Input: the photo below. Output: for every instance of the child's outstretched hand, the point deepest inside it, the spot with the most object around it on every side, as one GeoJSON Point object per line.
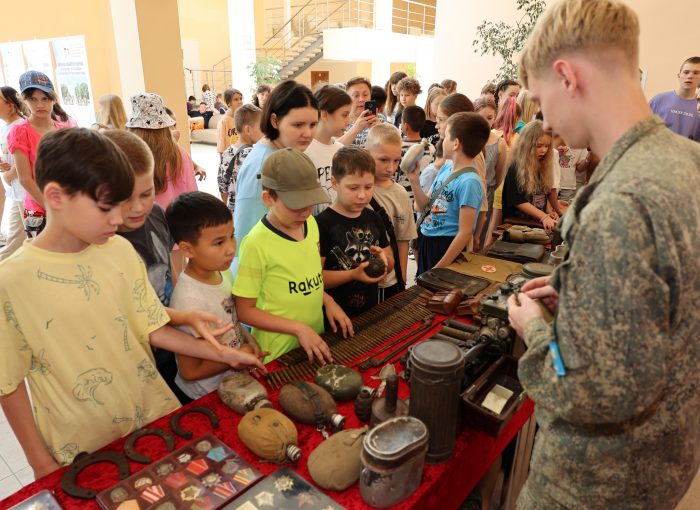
{"type": "Point", "coordinates": [337, 317]}
{"type": "Point", "coordinates": [241, 360]}
{"type": "Point", "coordinates": [313, 344]}
{"type": "Point", "coordinates": [202, 322]}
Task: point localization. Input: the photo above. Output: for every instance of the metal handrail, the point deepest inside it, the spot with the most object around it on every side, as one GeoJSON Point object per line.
{"type": "Point", "coordinates": [404, 22]}
{"type": "Point", "coordinates": [289, 21]}
{"type": "Point", "coordinates": [281, 46]}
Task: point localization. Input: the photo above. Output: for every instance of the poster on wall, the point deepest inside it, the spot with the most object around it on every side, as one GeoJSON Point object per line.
{"type": "Point", "coordinates": [73, 78]}
{"type": "Point", "coordinates": [12, 63]}
{"type": "Point", "coordinates": [64, 61]}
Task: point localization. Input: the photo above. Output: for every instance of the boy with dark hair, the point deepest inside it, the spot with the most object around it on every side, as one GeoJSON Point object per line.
{"type": "Point", "coordinates": [412, 121]}
{"type": "Point", "coordinates": [279, 284]}
{"type": "Point", "coordinates": [379, 98]}
{"type": "Point", "coordinates": [451, 212]}
{"type": "Point", "coordinates": [247, 123]}
{"type": "Point", "coordinates": [203, 228]}
{"type": "Point", "coordinates": [351, 233]}
{"type": "Point", "coordinates": [81, 313]}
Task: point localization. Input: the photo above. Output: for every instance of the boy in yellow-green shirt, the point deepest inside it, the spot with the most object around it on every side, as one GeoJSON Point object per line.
{"type": "Point", "coordinates": [279, 284]}
{"type": "Point", "coordinates": [80, 313]}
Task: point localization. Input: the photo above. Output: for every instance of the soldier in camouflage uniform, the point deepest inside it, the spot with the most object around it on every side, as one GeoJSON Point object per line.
{"type": "Point", "coordinates": [620, 424]}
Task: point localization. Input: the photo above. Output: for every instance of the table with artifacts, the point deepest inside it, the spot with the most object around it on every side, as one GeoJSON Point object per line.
{"type": "Point", "coordinates": [414, 410]}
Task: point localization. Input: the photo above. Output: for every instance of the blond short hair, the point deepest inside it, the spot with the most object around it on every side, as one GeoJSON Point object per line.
{"type": "Point", "coordinates": [575, 25]}
{"type": "Point", "coordinates": [134, 148]}
{"type": "Point", "coordinates": [383, 133]}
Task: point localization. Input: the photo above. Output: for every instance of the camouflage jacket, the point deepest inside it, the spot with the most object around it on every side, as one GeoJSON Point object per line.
{"type": "Point", "coordinates": [622, 428]}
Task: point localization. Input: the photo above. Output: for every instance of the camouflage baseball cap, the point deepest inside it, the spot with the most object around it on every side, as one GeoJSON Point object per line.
{"type": "Point", "coordinates": [292, 175]}
{"type": "Point", "coordinates": [35, 80]}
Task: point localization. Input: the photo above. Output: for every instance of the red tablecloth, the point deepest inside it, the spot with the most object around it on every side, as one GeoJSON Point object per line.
{"type": "Point", "coordinates": [443, 486]}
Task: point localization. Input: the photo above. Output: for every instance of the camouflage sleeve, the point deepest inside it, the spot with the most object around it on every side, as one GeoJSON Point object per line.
{"type": "Point", "coordinates": [613, 321]}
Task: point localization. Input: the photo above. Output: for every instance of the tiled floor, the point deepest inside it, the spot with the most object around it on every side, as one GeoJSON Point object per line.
{"type": "Point", "coordinates": [14, 469]}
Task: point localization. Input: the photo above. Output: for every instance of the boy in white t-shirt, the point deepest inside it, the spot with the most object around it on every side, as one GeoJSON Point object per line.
{"type": "Point", "coordinates": [335, 105]}
{"type": "Point", "coordinates": [202, 226]}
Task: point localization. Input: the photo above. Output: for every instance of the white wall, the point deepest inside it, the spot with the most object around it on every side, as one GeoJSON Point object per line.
{"type": "Point", "coordinates": [669, 35]}
{"type": "Point", "coordinates": [381, 48]}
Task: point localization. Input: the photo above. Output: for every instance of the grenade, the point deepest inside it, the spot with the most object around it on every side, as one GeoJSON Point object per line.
{"type": "Point", "coordinates": [390, 406]}
{"type": "Point", "coordinates": [309, 403]}
{"type": "Point", "coordinates": [270, 435]}
{"type": "Point", "coordinates": [363, 405]}
{"type": "Point", "coordinates": [242, 393]}
{"type": "Point", "coordinates": [335, 463]}
{"type": "Point", "coordinates": [375, 268]}
{"type": "Point", "coordinates": [409, 162]}
{"type": "Point", "coordinates": [341, 382]}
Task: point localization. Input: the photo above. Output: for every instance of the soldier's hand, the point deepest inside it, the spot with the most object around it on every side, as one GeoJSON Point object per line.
{"type": "Point", "coordinates": [521, 310]}
{"type": "Point", "coordinates": [539, 288]}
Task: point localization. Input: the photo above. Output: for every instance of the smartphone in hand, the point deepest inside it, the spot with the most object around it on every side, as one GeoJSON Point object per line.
{"type": "Point", "coordinates": [371, 106]}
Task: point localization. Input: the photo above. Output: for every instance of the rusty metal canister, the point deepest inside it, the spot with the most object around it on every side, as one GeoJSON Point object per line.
{"type": "Point", "coordinates": [392, 459]}
{"type": "Point", "coordinates": [437, 369]}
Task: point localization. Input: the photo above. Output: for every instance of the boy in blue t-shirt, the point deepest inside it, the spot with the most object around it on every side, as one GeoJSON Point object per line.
{"type": "Point", "coordinates": [450, 224]}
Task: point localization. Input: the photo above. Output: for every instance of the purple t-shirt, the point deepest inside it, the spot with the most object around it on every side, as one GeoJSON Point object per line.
{"type": "Point", "coordinates": [680, 115]}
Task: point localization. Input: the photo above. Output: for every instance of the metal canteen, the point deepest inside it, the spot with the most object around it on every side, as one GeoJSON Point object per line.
{"type": "Point", "coordinates": [242, 393]}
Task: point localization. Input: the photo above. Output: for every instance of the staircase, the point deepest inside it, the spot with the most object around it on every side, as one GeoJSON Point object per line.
{"type": "Point", "coordinates": [298, 43]}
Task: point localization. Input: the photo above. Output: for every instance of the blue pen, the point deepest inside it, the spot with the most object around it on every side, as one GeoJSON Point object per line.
{"type": "Point", "coordinates": [556, 359]}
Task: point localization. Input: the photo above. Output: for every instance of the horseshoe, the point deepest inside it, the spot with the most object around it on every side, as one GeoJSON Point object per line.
{"type": "Point", "coordinates": [82, 460]}
{"type": "Point", "coordinates": [130, 448]}
{"type": "Point", "coordinates": [187, 434]}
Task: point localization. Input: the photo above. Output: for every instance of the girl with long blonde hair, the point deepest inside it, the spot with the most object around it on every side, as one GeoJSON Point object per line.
{"type": "Point", "coordinates": [435, 97]}
{"type": "Point", "coordinates": [112, 114]}
{"type": "Point", "coordinates": [529, 181]}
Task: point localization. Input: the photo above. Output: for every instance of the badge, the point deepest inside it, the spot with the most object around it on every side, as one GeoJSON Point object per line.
{"type": "Point", "coordinates": [244, 476]}
{"type": "Point", "coordinates": [265, 498]}
{"type": "Point", "coordinates": [225, 490]}
{"type": "Point", "coordinates": [203, 446]}
{"type": "Point", "coordinates": [118, 495]}
{"type": "Point", "coordinates": [142, 482]}
{"type": "Point", "coordinates": [176, 480]}
{"type": "Point", "coordinates": [165, 469]}
{"type": "Point", "coordinates": [198, 466]}
{"type": "Point", "coordinates": [284, 483]}
{"type": "Point", "coordinates": [488, 269]}
{"type": "Point", "coordinates": [230, 467]}
{"type": "Point", "coordinates": [190, 493]}
{"type": "Point", "coordinates": [184, 458]}
{"type": "Point", "coordinates": [217, 454]}
{"type": "Point", "coordinates": [211, 479]}
{"type": "Point", "coordinates": [153, 493]}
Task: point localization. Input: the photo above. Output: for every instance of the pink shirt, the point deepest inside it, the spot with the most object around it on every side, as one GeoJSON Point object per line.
{"type": "Point", "coordinates": [185, 182]}
{"type": "Point", "coordinates": [24, 138]}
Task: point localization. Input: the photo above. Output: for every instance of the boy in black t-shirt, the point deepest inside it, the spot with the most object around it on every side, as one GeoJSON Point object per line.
{"type": "Point", "coordinates": [350, 233]}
